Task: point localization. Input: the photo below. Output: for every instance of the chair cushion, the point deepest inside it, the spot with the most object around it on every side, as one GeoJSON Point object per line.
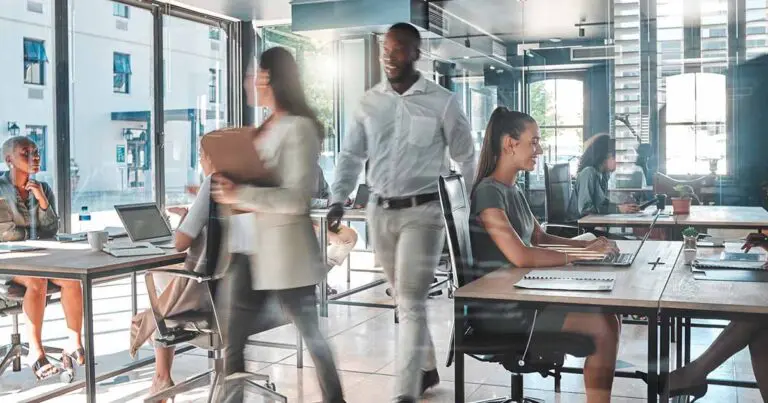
{"type": "Point", "coordinates": [15, 292]}
{"type": "Point", "coordinates": [190, 320]}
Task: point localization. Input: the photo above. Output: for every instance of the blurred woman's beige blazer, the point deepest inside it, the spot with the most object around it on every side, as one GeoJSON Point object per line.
{"type": "Point", "coordinates": [286, 253]}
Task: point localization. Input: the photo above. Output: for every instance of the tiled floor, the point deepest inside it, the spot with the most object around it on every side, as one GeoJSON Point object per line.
{"type": "Point", "coordinates": [364, 342]}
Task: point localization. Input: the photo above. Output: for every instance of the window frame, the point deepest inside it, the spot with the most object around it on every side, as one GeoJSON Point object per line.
{"type": "Point", "coordinates": [121, 10]}
{"type": "Point", "coordinates": [42, 144]}
{"type": "Point", "coordinates": [30, 62]}
{"type": "Point", "coordinates": [125, 88]}
{"type": "Point", "coordinates": [540, 77]}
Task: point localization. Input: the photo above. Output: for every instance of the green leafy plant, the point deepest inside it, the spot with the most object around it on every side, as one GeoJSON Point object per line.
{"type": "Point", "coordinates": [690, 232]}
{"type": "Point", "coordinates": [686, 192]}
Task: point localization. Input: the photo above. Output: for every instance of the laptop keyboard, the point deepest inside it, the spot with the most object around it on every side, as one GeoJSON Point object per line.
{"type": "Point", "coordinates": [621, 258]}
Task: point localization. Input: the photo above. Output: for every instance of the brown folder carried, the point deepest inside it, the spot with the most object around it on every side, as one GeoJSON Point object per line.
{"type": "Point", "coordinates": [233, 154]}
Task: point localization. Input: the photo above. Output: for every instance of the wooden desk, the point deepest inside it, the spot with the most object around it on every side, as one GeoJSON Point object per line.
{"type": "Point", "coordinates": [685, 297]}
{"type": "Point", "coordinates": [733, 217]}
{"type": "Point", "coordinates": [78, 262]}
{"type": "Point", "coordinates": [637, 291]}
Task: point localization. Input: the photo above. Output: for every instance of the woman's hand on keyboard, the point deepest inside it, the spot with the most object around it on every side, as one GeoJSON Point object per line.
{"type": "Point", "coordinates": [603, 245]}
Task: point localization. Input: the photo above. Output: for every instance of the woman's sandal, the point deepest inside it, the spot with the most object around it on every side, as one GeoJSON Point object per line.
{"type": "Point", "coordinates": [43, 368]}
{"type": "Point", "coordinates": [68, 361]}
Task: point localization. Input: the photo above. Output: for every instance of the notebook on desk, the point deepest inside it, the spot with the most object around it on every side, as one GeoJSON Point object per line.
{"type": "Point", "coordinates": [567, 280]}
{"type": "Point", "coordinates": [716, 264]}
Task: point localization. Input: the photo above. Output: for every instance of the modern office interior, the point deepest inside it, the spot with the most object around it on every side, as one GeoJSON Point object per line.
{"type": "Point", "coordinates": [681, 85]}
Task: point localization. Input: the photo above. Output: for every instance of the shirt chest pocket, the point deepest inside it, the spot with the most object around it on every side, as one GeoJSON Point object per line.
{"type": "Point", "coordinates": [422, 130]}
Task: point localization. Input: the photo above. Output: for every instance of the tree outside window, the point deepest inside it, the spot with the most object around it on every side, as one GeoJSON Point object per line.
{"type": "Point", "coordinates": [557, 104]}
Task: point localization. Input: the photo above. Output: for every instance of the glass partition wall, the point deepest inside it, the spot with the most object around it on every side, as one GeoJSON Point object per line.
{"type": "Point", "coordinates": [146, 81]}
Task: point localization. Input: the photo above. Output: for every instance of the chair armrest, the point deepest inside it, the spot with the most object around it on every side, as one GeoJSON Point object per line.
{"type": "Point", "coordinates": [200, 278]}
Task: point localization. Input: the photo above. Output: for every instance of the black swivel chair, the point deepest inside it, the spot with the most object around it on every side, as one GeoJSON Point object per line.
{"type": "Point", "coordinates": [546, 353]}
{"type": "Point", "coordinates": [11, 297]}
{"type": "Point", "coordinates": [557, 197]}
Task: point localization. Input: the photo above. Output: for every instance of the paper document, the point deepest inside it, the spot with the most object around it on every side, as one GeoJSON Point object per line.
{"type": "Point", "coordinates": [567, 280]}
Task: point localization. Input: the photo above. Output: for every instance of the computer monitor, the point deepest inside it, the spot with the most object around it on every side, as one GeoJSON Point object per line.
{"type": "Point", "coordinates": [144, 223]}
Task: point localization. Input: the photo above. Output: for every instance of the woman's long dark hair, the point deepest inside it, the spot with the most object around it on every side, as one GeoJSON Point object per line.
{"type": "Point", "coordinates": [597, 149]}
{"type": "Point", "coordinates": [503, 122]}
{"type": "Point", "coordinates": [285, 80]}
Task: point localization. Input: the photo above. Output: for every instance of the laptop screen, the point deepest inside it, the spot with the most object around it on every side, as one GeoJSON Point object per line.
{"type": "Point", "coordinates": [143, 221]}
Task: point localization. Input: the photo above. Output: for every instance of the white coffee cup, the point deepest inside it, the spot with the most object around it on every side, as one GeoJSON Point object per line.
{"type": "Point", "coordinates": [97, 239]}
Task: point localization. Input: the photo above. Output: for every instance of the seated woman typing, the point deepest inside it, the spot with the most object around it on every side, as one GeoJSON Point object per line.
{"type": "Point", "coordinates": [590, 193]}
{"type": "Point", "coordinates": [34, 217]}
{"type": "Point", "coordinates": [505, 231]}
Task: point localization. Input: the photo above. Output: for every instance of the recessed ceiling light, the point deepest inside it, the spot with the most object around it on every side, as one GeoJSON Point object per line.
{"type": "Point", "coordinates": [466, 57]}
{"type": "Point", "coordinates": [493, 68]}
{"type": "Point", "coordinates": [555, 40]}
{"type": "Point", "coordinates": [499, 71]}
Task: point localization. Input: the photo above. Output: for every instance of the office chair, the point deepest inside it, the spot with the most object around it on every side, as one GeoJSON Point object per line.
{"type": "Point", "coordinates": [557, 197]}
{"type": "Point", "coordinates": [546, 352]}
{"type": "Point", "coordinates": [11, 297]}
{"type": "Point", "coordinates": [203, 329]}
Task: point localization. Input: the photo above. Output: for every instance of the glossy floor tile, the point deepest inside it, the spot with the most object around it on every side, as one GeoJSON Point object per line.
{"type": "Point", "coordinates": [364, 340]}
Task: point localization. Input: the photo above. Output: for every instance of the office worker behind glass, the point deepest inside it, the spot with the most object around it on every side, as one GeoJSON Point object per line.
{"type": "Point", "coordinates": [286, 256]}
{"type": "Point", "coordinates": [34, 217]}
{"type": "Point", "coordinates": [590, 192]}
{"type": "Point", "coordinates": [504, 231]}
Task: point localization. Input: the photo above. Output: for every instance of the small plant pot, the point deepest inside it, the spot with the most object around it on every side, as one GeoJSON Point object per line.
{"type": "Point", "coordinates": [681, 206]}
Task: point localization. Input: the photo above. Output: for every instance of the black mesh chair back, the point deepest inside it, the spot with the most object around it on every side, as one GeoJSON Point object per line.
{"type": "Point", "coordinates": [557, 185]}
{"type": "Point", "coordinates": [455, 204]}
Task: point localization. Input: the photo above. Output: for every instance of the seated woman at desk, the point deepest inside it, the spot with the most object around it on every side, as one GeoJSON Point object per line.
{"type": "Point", "coordinates": [34, 217]}
{"type": "Point", "coordinates": [179, 294]}
{"type": "Point", "coordinates": [504, 231]}
{"type": "Point", "coordinates": [590, 193]}
{"type": "Point", "coordinates": [691, 380]}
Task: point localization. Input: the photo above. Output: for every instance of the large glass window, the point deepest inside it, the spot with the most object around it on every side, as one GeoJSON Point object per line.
{"type": "Point", "coordinates": [695, 128]}
{"type": "Point", "coordinates": [557, 104]}
{"type": "Point", "coordinates": [317, 63]}
{"type": "Point", "coordinates": [111, 138]}
{"type": "Point", "coordinates": [194, 104]}
{"type": "Point", "coordinates": [27, 104]}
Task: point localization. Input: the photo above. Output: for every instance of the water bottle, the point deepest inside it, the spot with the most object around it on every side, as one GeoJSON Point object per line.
{"type": "Point", "coordinates": [84, 218]}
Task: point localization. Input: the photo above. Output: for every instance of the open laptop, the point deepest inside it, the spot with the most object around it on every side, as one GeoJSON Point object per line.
{"type": "Point", "coordinates": [621, 259]}
{"type": "Point", "coordinates": [145, 223]}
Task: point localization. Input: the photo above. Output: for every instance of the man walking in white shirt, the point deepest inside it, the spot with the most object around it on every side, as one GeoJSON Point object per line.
{"type": "Point", "coordinates": [406, 128]}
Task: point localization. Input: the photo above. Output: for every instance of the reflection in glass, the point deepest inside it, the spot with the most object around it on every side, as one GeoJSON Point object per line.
{"type": "Point", "coordinates": [194, 101]}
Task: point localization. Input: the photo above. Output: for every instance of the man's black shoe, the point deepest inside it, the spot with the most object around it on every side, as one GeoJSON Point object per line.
{"type": "Point", "coordinates": [403, 399]}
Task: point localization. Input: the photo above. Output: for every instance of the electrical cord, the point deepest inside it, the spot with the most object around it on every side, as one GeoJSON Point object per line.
{"type": "Point", "coordinates": [530, 336]}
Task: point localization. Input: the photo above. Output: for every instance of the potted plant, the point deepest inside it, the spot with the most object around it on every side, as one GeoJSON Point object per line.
{"type": "Point", "coordinates": [682, 203]}
{"type": "Point", "coordinates": [690, 237]}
